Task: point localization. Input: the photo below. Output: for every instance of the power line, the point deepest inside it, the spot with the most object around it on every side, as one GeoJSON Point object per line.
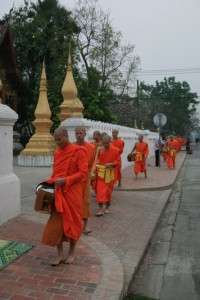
{"type": "Point", "coordinates": [167, 71]}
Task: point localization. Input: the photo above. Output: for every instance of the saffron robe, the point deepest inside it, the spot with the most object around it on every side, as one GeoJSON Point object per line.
{"type": "Point", "coordinates": [105, 177]}
{"type": "Point", "coordinates": [118, 143]}
{"type": "Point", "coordinates": [165, 150]}
{"type": "Point", "coordinates": [171, 156]}
{"type": "Point", "coordinates": [141, 150]}
{"type": "Point", "coordinates": [65, 223]}
{"type": "Point", "coordinates": [90, 148]}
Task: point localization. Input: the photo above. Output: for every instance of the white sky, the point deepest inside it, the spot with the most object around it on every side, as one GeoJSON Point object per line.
{"type": "Point", "coordinates": [165, 33]}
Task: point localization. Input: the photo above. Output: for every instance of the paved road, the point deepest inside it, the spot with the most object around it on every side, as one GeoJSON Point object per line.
{"type": "Point", "coordinates": [171, 268]}
{"type": "Point", "coordinates": [182, 273]}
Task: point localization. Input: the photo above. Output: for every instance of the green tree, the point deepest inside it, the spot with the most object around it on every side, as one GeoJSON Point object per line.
{"type": "Point", "coordinates": [42, 31]}
{"type": "Point", "coordinates": [108, 65]}
{"type": "Point", "coordinates": [170, 97]}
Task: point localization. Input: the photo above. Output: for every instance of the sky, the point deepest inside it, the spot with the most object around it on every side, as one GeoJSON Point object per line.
{"type": "Point", "coordinates": [165, 34]}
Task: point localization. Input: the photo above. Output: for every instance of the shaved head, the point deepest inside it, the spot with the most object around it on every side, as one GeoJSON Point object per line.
{"type": "Point", "coordinates": [106, 139]}
{"type": "Point", "coordinates": [115, 133]}
{"type": "Point", "coordinates": [61, 130]}
{"type": "Point", "coordinates": [80, 128]}
{"type": "Point", "coordinates": [61, 137]}
{"type": "Point", "coordinates": [97, 133]}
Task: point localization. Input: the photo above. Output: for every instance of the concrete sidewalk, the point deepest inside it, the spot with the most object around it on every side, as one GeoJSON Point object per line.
{"type": "Point", "coordinates": [105, 260]}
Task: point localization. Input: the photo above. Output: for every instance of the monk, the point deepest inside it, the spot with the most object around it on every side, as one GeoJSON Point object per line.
{"type": "Point", "coordinates": [97, 138]}
{"type": "Point", "coordinates": [118, 143]}
{"type": "Point", "coordinates": [172, 149]}
{"type": "Point", "coordinates": [108, 159]}
{"type": "Point", "coordinates": [141, 151]}
{"type": "Point", "coordinates": [70, 168]}
{"type": "Point", "coordinates": [97, 141]}
{"type": "Point", "coordinates": [165, 149]}
{"type": "Point", "coordinates": [80, 135]}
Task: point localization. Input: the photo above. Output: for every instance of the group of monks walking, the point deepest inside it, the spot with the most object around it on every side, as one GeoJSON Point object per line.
{"type": "Point", "coordinates": [170, 147]}
{"type": "Point", "coordinates": [80, 166]}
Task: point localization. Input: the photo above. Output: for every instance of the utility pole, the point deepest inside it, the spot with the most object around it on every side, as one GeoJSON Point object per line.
{"type": "Point", "coordinates": [138, 105]}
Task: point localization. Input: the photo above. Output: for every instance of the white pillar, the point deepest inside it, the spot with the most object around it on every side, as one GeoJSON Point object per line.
{"type": "Point", "coordinates": [9, 182]}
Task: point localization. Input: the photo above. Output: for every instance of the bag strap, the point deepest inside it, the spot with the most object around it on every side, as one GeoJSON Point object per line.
{"type": "Point", "coordinates": [93, 169]}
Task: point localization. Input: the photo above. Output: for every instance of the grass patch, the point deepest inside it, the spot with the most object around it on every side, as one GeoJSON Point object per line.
{"type": "Point", "coordinates": [138, 297]}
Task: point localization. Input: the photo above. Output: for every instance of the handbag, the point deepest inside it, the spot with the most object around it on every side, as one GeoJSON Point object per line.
{"type": "Point", "coordinates": [44, 201]}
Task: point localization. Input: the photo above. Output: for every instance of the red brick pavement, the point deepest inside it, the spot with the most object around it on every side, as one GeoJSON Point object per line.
{"type": "Point", "coordinates": [31, 277]}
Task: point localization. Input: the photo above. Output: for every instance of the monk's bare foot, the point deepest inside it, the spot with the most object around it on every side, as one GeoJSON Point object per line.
{"type": "Point", "coordinates": [106, 211]}
{"type": "Point", "coordinates": [86, 230]}
{"type": "Point", "coordinates": [99, 213]}
{"type": "Point", "coordinates": [69, 260]}
{"type": "Point", "coordinates": [55, 262]}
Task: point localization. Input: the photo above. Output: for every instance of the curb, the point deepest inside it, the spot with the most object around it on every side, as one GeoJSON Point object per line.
{"type": "Point", "coordinates": [112, 275]}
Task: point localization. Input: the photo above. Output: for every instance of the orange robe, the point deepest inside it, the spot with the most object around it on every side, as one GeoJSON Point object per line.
{"type": "Point", "coordinates": [171, 156]}
{"type": "Point", "coordinates": [105, 183]}
{"type": "Point", "coordinates": [177, 145]}
{"type": "Point", "coordinates": [165, 150]}
{"type": "Point", "coordinates": [90, 148]}
{"type": "Point", "coordinates": [66, 222]}
{"type": "Point", "coordinates": [141, 150]}
{"type": "Point", "coordinates": [96, 150]}
{"type": "Point", "coordinates": [118, 143]}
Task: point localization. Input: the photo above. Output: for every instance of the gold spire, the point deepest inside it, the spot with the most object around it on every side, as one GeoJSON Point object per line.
{"type": "Point", "coordinates": [142, 126]}
{"type": "Point", "coordinates": [71, 106]}
{"type": "Point", "coordinates": [42, 142]}
{"type": "Point", "coordinates": [135, 124]}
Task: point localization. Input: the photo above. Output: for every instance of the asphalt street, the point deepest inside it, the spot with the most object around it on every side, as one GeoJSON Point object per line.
{"type": "Point", "coordinates": [170, 269]}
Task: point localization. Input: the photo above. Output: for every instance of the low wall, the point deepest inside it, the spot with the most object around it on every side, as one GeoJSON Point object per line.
{"type": "Point", "coordinates": [129, 135]}
{"type": "Point", "coordinates": [9, 182]}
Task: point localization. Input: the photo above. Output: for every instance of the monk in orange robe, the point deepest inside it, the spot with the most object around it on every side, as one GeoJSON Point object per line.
{"type": "Point", "coordinates": [80, 135]}
{"type": "Point", "coordinates": [165, 149]}
{"type": "Point", "coordinates": [97, 141]}
{"type": "Point", "coordinates": [177, 144]}
{"type": "Point", "coordinates": [108, 159]}
{"type": "Point", "coordinates": [118, 143]}
{"type": "Point", "coordinates": [141, 151]}
{"type": "Point", "coordinates": [172, 149]}
{"type": "Point", "coordinates": [70, 169]}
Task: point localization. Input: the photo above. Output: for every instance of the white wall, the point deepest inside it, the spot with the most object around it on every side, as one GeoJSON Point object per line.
{"type": "Point", "coordinates": [9, 182]}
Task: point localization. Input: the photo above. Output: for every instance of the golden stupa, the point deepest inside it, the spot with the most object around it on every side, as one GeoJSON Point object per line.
{"type": "Point", "coordinates": [71, 106]}
{"type": "Point", "coordinates": [42, 142]}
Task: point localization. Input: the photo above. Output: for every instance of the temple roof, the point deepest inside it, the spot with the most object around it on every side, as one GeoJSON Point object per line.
{"type": "Point", "coordinates": [7, 53]}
